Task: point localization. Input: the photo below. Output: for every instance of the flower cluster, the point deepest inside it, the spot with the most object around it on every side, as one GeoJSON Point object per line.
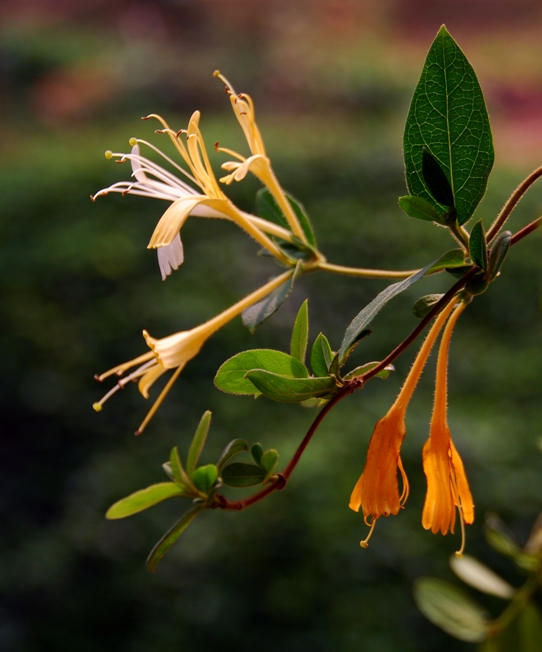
{"type": "Point", "coordinates": [377, 490]}
{"type": "Point", "coordinates": [198, 193]}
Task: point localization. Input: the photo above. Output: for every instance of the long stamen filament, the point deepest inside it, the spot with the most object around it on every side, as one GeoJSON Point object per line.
{"type": "Point", "coordinates": [365, 542]}
{"type": "Point", "coordinates": [159, 400]}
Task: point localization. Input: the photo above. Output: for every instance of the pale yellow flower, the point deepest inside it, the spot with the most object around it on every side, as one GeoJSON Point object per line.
{"type": "Point", "coordinates": [259, 163]}
{"type": "Point", "coordinates": [174, 351]}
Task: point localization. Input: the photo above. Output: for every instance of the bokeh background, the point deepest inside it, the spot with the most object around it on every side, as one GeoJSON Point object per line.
{"type": "Point", "coordinates": [332, 82]}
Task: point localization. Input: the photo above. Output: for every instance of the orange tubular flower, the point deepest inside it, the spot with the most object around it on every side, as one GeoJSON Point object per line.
{"type": "Point", "coordinates": [377, 490]}
{"type": "Point", "coordinates": [447, 486]}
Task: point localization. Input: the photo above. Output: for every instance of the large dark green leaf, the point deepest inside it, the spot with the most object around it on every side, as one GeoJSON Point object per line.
{"type": "Point", "coordinates": [231, 375]}
{"type": "Point", "coordinates": [448, 116]}
{"type": "Point", "coordinates": [144, 499]}
{"type": "Point", "coordinates": [287, 389]}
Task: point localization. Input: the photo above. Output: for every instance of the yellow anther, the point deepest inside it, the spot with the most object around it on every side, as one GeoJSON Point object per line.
{"type": "Point", "coordinates": [132, 142]}
{"type": "Point", "coordinates": [108, 154]}
{"type": "Point", "coordinates": [97, 407]}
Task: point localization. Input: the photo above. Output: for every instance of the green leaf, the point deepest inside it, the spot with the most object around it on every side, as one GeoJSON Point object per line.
{"type": "Point", "coordinates": [448, 116]}
{"type": "Point", "coordinates": [501, 539]}
{"type": "Point", "coordinates": [363, 318]}
{"type": "Point", "coordinates": [269, 461]}
{"type": "Point", "coordinates": [303, 219]}
{"type": "Point", "coordinates": [530, 628]}
{"type": "Point", "coordinates": [177, 469]}
{"type": "Point", "coordinates": [256, 451]}
{"type": "Point", "coordinates": [205, 477]}
{"type": "Point", "coordinates": [230, 377]}
{"type": "Point", "coordinates": [267, 207]}
{"type": "Point", "coordinates": [259, 312]}
{"type": "Point", "coordinates": [287, 389]}
{"type": "Point", "coordinates": [451, 609]}
{"type": "Point", "coordinates": [436, 179]}
{"type": "Point", "coordinates": [451, 259]}
{"type": "Point", "coordinates": [240, 474]}
{"type": "Point", "coordinates": [359, 371]}
{"type": "Point", "coordinates": [198, 442]}
{"type": "Point", "coordinates": [480, 577]}
{"type": "Point", "coordinates": [144, 499]}
{"type": "Point", "coordinates": [321, 356]}
{"type": "Point", "coordinates": [478, 245]}
{"type": "Point", "coordinates": [498, 252]}
{"type": "Point", "coordinates": [425, 304]}
{"type": "Point", "coordinates": [170, 537]}
{"type": "Point", "coordinates": [300, 333]}
{"type": "Point", "coordinates": [420, 208]}
{"type": "Point", "coordinates": [522, 634]}
{"type": "Point", "coordinates": [233, 448]}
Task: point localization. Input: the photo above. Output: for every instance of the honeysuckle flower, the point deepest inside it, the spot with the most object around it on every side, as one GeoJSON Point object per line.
{"type": "Point", "coordinates": [447, 485]}
{"type": "Point", "coordinates": [153, 180]}
{"type": "Point", "coordinates": [377, 490]}
{"type": "Point", "coordinates": [259, 163]}
{"type": "Point", "coordinates": [174, 351]}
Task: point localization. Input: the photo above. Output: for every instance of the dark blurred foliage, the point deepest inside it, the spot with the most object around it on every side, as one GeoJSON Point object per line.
{"type": "Point", "coordinates": [332, 82]}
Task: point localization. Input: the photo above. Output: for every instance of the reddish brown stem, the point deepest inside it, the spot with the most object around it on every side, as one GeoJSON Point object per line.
{"type": "Point", "coordinates": [357, 383]}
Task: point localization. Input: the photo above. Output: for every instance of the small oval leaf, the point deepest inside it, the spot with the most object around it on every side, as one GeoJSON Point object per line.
{"type": "Point", "coordinates": [205, 477]}
{"type": "Point", "coordinates": [286, 389]}
{"type": "Point", "coordinates": [420, 208]}
{"type": "Point", "coordinates": [240, 474]}
{"type": "Point", "coordinates": [425, 304]}
{"type": "Point", "coordinates": [321, 356]}
{"type": "Point", "coordinates": [269, 460]}
{"type": "Point", "coordinates": [231, 377]}
{"type": "Point", "coordinates": [233, 448]}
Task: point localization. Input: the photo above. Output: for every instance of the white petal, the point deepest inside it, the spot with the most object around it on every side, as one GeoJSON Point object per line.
{"type": "Point", "coordinates": [136, 165]}
{"type": "Point", "coordinates": [170, 257]}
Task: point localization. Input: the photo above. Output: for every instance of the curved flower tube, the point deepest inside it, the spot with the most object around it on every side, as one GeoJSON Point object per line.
{"type": "Point", "coordinates": [447, 485]}
{"type": "Point", "coordinates": [174, 351]}
{"type": "Point", "coordinates": [377, 490]}
{"type": "Point", "coordinates": [259, 164]}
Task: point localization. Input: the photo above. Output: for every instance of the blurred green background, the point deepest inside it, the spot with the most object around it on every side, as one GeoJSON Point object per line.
{"type": "Point", "coordinates": [332, 81]}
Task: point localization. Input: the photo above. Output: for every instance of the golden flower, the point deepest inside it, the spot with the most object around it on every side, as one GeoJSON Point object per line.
{"type": "Point", "coordinates": [153, 180]}
{"type": "Point", "coordinates": [174, 351]}
{"type": "Point", "coordinates": [259, 164]}
{"type": "Point", "coordinates": [377, 490]}
{"type": "Point", "coordinates": [447, 485]}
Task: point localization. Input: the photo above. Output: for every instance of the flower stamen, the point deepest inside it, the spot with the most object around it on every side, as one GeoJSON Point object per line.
{"type": "Point", "coordinates": [364, 543]}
